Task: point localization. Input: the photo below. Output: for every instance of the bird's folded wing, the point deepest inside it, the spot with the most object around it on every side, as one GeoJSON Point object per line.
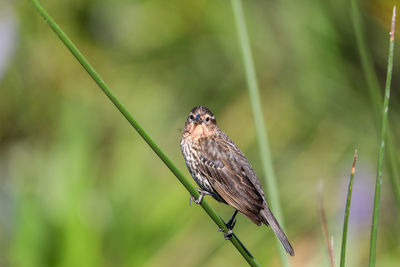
{"type": "Point", "coordinates": [231, 176]}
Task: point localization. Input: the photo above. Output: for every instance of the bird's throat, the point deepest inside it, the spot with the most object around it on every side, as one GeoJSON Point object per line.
{"type": "Point", "coordinates": [198, 132]}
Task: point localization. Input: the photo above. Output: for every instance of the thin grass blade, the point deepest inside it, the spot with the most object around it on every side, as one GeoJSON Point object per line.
{"type": "Point", "coordinates": [384, 126]}
{"type": "Point", "coordinates": [322, 217]}
{"type": "Point", "coordinates": [347, 211]}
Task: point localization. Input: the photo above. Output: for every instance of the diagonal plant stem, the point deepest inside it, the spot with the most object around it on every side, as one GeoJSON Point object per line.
{"type": "Point", "coordinates": [261, 130]}
{"type": "Point", "coordinates": [375, 97]}
{"type": "Point", "coordinates": [347, 212]}
{"type": "Point", "coordinates": [107, 90]}
{"type": "Point", "coordinates": [385, 109]}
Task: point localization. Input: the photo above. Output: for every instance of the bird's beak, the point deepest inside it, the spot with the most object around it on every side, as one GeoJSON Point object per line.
{"type": "Point", "coordinates": [197, 120]}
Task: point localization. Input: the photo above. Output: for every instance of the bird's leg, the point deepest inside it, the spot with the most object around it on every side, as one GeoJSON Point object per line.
{"type": "Point", "coordinates": [198, 201]}
{"type": "Point", "coordinates": [230, 224]}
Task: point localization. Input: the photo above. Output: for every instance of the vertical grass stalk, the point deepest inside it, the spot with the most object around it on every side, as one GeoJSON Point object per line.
{"type": "Point", "coordinates": [107, 90]}
{"type": "Point", "coordinates": [365, 57]}
{"type": "Point", "coordinates": [375, 97]}
{"type": "Point", "coordinates": [271, 187]}
{"type": "Point", "coordinates": [385, 109]}
{"type": "Point", "coordinates": [347, 211]}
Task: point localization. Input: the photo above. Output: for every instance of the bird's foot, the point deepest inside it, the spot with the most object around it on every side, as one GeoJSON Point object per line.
{"type": "Point", "coordinates": [230, 224]}
{"type": "Point", "coordinates": [198, 201]}
{"type": "Point", "coordinates": [228, 235]}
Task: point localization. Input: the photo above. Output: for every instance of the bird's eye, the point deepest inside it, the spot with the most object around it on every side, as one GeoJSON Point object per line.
{"type": "Point", "coordinates": [191, 117]}
{"type": "Point", "coordinates": [208, 119]}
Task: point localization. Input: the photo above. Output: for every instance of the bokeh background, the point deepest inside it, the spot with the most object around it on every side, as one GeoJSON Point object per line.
{"type": "Point", "coordinates": [79, 187]}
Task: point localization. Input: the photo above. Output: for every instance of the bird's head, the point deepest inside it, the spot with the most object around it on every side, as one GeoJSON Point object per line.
{"type": "Point", "coordinates": [200, 122]}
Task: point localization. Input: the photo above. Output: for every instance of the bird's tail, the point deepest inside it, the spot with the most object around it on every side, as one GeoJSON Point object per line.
{"type": "Point", "coordinates": [268, 218]}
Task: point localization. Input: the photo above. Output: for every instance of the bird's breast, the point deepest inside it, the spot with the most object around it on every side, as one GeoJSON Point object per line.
{"type": "Point", "coordinates": [191, 154]}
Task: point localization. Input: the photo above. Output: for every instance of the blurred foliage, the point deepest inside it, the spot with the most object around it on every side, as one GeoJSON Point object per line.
{"type": "Point", "coordinates": [78, 187]}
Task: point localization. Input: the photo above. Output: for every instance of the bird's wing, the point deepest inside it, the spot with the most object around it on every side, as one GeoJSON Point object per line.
{"type": "Point", "coordinates": [231, 175]}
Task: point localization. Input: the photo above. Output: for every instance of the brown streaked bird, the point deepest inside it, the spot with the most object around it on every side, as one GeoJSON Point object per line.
{"type": "Point", "coordinates": [222, 171]}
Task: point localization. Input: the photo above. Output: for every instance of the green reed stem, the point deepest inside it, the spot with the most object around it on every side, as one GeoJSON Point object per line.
{"type": "Point", "coordinates": [347, 212]}
{"type": "Point", "coordinates": [385, 109]}
{"type": "Point", "coordinates": [376, 98]}
{"type": "Point", "coordinates": [261, 130]}
{"type": "Point", "coordinates": [107, 90]}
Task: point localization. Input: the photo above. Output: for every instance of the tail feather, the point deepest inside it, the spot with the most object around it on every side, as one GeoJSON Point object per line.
{"type": "Point", "coordinates": [268, 218]}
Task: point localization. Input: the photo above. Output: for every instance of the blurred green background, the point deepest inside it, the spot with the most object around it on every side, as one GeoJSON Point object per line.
{"type": "Point", "coordinates": [79, 187]}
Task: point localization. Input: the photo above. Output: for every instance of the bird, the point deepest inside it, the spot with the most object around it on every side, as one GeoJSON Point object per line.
{"type": "Point", "coordinates": [222, 171]}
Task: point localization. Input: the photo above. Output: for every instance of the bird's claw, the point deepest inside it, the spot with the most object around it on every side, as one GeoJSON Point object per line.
{"type": "Point", "coordinates": [197, 201]}
{"type": "Point", "coordinates": [230, 225]}
{"type": "Point", "coordinates": [228, 235]}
